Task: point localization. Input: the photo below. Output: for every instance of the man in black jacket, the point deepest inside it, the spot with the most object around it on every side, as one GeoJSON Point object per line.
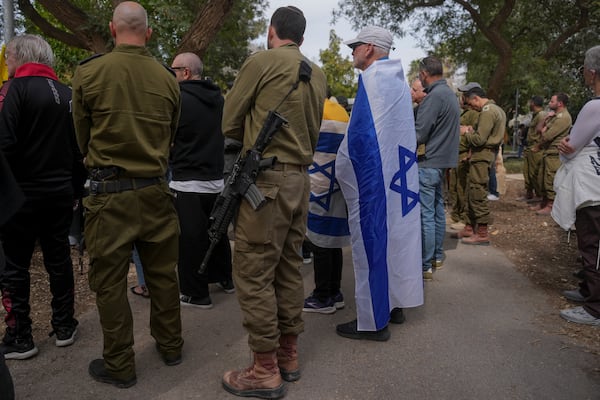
{"type": "Point", "coordinates": [196, 163]}
{"type": "Point", "coordinates": [38, 140]}
{"type": "Point", "coordinates": [11, 199]}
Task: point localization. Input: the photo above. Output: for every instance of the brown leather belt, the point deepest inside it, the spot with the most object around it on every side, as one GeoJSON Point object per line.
{"type": "Point", "coordinates": [279, 166]}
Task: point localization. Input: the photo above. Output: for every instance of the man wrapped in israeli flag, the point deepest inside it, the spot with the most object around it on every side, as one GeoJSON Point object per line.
{"type": "Point", "coordinates": [376, 168]}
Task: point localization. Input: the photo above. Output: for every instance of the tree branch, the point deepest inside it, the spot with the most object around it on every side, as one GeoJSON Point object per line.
{"type": "Point", "coordinates": [434, 3]}
{"type": "Point", "coordinates": [582, 22]}
{"type": "Point", "coordinates": [493, 33]}
{"type": "Point", "coordinates": [205, 27]}
{"type": "Point", "coordinates": [77, 21]}
{"type": "Point", "coordinates": [50, 30]}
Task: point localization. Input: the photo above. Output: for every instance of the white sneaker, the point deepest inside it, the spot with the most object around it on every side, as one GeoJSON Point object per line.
{"type": "Point", "coordinates": [492, 197]}
{"type": "Point", "coordinates": [579, 316]}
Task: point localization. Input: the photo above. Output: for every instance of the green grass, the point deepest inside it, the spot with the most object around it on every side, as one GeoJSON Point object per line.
{"type": "Point", "coordinates": [513, 165]}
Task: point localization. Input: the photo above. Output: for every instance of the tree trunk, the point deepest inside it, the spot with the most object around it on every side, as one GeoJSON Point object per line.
{"type": "Point", "coordinates": [207, 24]}
{"type": "Point", "coordinates": [493, 32]}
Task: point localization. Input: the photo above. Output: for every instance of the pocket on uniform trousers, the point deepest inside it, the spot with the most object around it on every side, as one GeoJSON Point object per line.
{"type": "Point", "coordinates": [255, 227]}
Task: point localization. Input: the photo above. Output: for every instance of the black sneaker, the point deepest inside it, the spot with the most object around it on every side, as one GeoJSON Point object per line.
{"type": "Point", "coordinates": [65, 335]}
{"type": "Point", "coordinates": [227, 286]}
{"type": "Point", "coordinates": [312, 304]}
{"type": "Point", "coordinates": [204, 303]}
{"type": "Point", "coordinates": [19, 349]}
{"type": "Point", "coordinates": [338, 301]}
{"type": "Point", "coordinates": [349, 330]}
{"type": "Point", "coordinates": [397, 316]}
{"type": "Point", "coordinates": [100, 374]}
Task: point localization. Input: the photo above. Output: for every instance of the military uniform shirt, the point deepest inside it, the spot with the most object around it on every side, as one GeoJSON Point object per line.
{"type": "Point", "coordinates": [558, 127]}
{"type": "Point", "coordinates": [263, 81]}
{"type": "Point", "coordinates": [128, 126]}
{"type": "Point", "coordinates": [490, 127]}
{"type": "Point", "coordinates": [467, 118]}
{"type": "Point", "coordinates": [533, 136]}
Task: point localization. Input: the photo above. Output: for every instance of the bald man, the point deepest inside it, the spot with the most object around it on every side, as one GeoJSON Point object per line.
{"type": "Point", "coordinates": [126, 108]}
{"type": "Point", "coordinates": [197, 160]}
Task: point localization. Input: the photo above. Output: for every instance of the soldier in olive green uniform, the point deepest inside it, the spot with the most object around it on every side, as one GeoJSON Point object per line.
{"type": "Point", "coordinates": [458, 175]}
{"type": "Point", "coordinates": [557, 125]}
{"type": "Point", "coordinates": [126, 110]}
{"type": "Point", "coordinates": [267, 260]}
{"type": "Point", "coordinates": [532, 159]}
{"type": "Point", "coordinates": [483, 143]}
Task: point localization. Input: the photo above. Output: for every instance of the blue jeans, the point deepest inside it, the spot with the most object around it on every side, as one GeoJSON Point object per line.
{"type": "Point", "coordinates": [433, 219]}
{"type": "Point", "coordinates": [493, 185]}
{"type": "Point", "coordinates": [139, 270]}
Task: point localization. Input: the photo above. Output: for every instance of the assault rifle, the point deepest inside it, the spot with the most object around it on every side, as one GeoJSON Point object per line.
{"type": "Point", "coordinates": [241, 181]}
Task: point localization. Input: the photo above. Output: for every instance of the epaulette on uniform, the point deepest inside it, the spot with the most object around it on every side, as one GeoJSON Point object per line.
{"type": "Point", "coordinates": [91, 58]}
{"type": "Point", "coordinates": [486, 107]}
{"type": "Point", "coordinates": [169, 69]}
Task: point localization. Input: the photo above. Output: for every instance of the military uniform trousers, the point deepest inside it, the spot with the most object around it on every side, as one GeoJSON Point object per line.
{"type": "Point", "coordinates": [114, 223]}
{"type": "Point", "coordinates": [531, 167]}
{"type": "Point", "coordinates": [587, 222]}
{"type": "Point", "coordinates": [458, 183]}
{"type": "Point", "coordinates": [48, 220]}
{"type": "Point", "coordinates": [267, 260]}
{"type": "Point", "coordinates": [549, 165]}
{"type": "Point", "coordinates": [477, 187]}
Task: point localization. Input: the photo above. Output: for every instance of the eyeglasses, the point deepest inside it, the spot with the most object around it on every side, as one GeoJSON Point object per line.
{"type": "Point", "coordinates": [354, 46]}
{"type": "Point", "coordinates": [178, 68]}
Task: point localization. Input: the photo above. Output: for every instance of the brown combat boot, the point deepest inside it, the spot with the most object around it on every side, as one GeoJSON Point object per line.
{"type": "Point", "coordinates": [466, 232]}
{"type": "Point", "coordinates": [547, 209]}
{"type": "Point", "coordinates": [261, 380]}
{"type": "Point", "coordinates": [481, 237]}
{"type": "Point", "coordinates": [540, 205]}
{"type": "Point", "coordinates": [287, 358]}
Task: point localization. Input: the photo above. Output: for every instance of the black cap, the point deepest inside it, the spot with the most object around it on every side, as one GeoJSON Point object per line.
{"type": "Point", "coordinates": [537, 101]}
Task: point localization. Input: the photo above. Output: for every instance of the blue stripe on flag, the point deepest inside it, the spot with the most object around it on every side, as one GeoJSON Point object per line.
{"type": "Point", "coordinates": [331, 226]}
{"type": "Point", "coordinates": [329, 142]}
{"type": "Point", "coordinates": [363, 149]}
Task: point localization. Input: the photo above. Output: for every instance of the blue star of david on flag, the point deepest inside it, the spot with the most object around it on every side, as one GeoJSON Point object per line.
{"type": "Point", "coordinates": [328, 170]}
{"type": "Point", "coordinates": [399, 184]}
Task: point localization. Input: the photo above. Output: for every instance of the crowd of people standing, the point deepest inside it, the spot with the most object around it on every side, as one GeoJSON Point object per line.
{"type": "Point", "coordinates": [152, 145]}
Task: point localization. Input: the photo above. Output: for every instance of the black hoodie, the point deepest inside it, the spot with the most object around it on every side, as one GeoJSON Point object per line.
{"type": "Point", "coordinates": [197, 152]}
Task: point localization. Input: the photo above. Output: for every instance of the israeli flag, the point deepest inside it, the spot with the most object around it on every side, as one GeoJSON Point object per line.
{"type": "Point", "coordinates": [376, 168]}
{"type": "Point", "coordinates": [327, 217]}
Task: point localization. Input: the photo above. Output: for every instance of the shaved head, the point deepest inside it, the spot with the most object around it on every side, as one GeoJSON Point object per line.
{"type": "Point", "coordinates": [187, 66]}
{"type": "Point", "coordinates": [130, 16]}
{"type": "Point", "coordinates": [191, 61]}
{"type": "Point", "coordinates": [129, 24]}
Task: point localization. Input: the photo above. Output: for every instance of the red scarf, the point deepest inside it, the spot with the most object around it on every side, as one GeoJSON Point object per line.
{"type": "Point", "coordinates": [34, 69]}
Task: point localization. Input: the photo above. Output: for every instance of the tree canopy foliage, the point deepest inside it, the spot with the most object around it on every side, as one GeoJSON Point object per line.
{"type": "Point", "coordinates": [534, 46]}
{"type": "Point", "coordinates": [341, 77]}
{"type": "Point", "coordinates": [219, 31]}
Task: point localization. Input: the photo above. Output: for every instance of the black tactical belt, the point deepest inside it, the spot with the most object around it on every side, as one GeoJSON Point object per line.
{"type": "Point", "coordinates": [121, 185]}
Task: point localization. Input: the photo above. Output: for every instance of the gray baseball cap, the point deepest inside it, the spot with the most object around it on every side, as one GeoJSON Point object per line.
{"type": "Point", "coordinates": [469, 86]}
{"type": "Point", "coordinates": [375, 35]}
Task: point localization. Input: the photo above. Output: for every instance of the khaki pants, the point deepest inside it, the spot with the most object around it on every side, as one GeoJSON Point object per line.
{"type": "Point", "coordinates": [477, 187]}
{"type": "Point", "coordinates": [267, 260]}
{"type": "Point", "coordinates": [531, 167]}
{"type": "Point", "coordinates": [458, 184]}
{"type": "Point", "coordinates": [114, 223]}
{"type": "Point", "coordinates": [549, 166]}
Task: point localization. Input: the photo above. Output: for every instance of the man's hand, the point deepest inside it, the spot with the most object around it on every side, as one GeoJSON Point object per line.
{"type": "Point", "coordinates": [465, 129]}
{"type": "Point", "coordinates": [564, 147]}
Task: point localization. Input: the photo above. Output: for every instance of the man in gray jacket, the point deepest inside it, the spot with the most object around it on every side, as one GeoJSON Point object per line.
{"type": "Point", "coordinates": [437, 126]}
